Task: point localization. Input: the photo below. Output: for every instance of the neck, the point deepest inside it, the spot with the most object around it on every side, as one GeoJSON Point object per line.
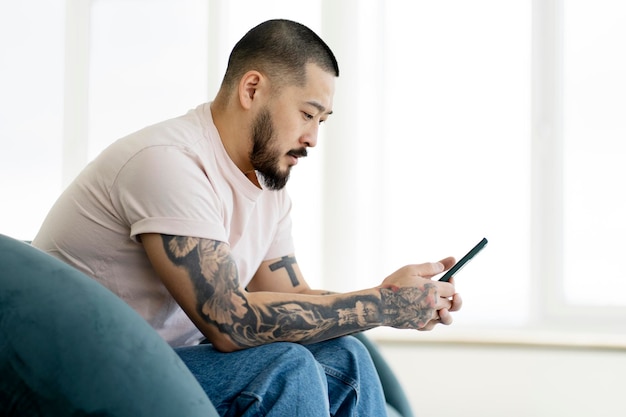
{"type": "Point", "coordinates": [235, 138]}
{"type": "Point", "coordinates": [253, 177]}
{"type": "Point", "coordinates": [234, 135]}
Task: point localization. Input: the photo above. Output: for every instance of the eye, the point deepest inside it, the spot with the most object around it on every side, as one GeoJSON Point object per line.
{"type": "Point", "coordinates": [307, 116]}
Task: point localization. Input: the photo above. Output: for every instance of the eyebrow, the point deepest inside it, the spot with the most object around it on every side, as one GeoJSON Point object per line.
{"type": "Point", "coordinates": [319, 107]}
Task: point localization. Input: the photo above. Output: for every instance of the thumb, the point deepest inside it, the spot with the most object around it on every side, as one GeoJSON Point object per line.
{"type": "Point", "coordinates": [431, 268]}
{"type": "Point", "coordinates": [438, 267]}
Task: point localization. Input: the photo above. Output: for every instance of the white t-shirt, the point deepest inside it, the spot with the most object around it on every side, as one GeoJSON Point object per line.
{"type": "Point", "coordinates": [174, 178]}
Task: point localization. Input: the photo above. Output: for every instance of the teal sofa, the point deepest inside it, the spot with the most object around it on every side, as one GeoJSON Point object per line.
{"type": "Point", "coordinates": [70, 347]}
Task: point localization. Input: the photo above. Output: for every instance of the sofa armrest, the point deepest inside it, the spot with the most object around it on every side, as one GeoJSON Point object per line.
{"type": "Point", "coordinates": [69, 346]}
{"type": "Point", "coordinates": [394, 393]}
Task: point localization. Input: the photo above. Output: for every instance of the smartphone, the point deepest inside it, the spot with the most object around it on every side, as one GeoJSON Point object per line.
{"type": "Point", "coordinates": [464, 260]}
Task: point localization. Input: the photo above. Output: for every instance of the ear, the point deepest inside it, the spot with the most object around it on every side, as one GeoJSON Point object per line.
{"type": "Point", "coordinates": [249, 86]}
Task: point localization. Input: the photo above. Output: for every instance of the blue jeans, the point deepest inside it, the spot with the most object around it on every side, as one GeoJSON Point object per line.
{"type": "Point", "coordinates": [332, 378]}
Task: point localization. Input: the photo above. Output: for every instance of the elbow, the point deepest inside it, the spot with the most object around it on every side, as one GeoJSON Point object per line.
{"type": "Point", "coordinates": [227, 331]}
{"type": "Point", "coordinates": [225, 345]}
{"type": "Point", "coordinates": [222, 342]}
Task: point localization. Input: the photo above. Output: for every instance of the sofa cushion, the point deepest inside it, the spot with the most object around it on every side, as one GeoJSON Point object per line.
{"type": "Point", "coordinates": [68, 346]}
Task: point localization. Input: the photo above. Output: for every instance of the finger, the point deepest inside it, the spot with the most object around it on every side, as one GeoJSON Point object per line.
{"type": "Point", "coordinates": [444, 302]}
{"type": "Point", "coordinates": [448, 262]}
{"type": "Point", "coordinates": [445, 289]}
{"type": "Point", "coordinates": [430, 269]}
{"type": "Point", "coordinates": [457, 302]}
{"type": "Point", "coordinates": [445, 317]}
{"type": "Point", "coordinates": [429, 326]}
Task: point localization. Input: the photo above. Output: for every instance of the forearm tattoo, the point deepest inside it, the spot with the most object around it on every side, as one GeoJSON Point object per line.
{"type": "Point", "coordinates": [221, 302]}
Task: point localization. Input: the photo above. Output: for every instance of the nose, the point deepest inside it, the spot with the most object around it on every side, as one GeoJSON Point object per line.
{"type": "Point", "coordinates": [309, 138]}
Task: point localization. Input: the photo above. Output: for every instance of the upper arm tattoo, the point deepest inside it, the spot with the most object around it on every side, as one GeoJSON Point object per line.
{"type": "Point", "coordinates": [221, 301]}
{"type": "Point", "coordinates": [287, 262]}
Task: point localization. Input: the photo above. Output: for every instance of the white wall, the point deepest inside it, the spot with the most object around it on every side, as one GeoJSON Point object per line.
{"type": "Point", "coordinates": [485, 380]}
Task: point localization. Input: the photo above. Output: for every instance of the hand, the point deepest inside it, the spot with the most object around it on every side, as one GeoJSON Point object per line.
{"type": "Point", "coordinates": [444, 316]}
{"type": "Point", "coordinates": [412, 300]}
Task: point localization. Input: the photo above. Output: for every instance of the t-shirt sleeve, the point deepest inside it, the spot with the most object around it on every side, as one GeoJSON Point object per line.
{"type": "Point", "coordinates": [163, 189]}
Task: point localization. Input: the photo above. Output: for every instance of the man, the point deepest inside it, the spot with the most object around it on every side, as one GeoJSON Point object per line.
{"type": "Point", "coordinates": [188, 222]}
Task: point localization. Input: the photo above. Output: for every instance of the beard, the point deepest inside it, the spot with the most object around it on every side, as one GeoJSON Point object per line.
{"type": "Point", "coordinates": [265, 154]}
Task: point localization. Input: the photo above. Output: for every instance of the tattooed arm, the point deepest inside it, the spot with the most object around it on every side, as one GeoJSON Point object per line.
{"type": "Point", "coordinates": [202, 277]}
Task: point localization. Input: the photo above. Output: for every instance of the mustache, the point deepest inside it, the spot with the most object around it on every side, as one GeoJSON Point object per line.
{"type": "Point", "coordinates": [298, 153]}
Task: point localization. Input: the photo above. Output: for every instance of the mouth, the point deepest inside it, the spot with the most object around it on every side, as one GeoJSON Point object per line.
{"type": "Point", "coordinates": [297, 153]}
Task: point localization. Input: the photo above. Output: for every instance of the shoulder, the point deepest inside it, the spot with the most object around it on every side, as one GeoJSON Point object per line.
{"type": "Point", "coordinates": [175, 141]}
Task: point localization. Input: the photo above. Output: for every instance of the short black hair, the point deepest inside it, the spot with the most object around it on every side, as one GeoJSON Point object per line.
{"type": "Point", "coordinates": [280, 49]}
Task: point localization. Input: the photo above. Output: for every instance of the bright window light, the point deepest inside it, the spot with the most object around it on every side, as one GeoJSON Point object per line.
{"type": "Point", "coordinates": [594, 151]}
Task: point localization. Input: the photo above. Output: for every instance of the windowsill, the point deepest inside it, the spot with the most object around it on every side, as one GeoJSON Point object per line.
{"type": "Point", "coordinates": [521, 337]}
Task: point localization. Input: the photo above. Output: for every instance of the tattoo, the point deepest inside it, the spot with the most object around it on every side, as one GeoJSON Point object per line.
{"type": "Point", "coordinates": [222, 302]}
{"type": "Point", "coordinates": [213, 272]}
{"type": "Point", "coordinates": [286, 262]}
{"type": "Point", "coordinates": [409, 307]}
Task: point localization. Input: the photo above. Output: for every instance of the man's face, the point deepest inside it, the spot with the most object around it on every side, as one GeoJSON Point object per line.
{"type": "Point", "coordinates": [288, 125]}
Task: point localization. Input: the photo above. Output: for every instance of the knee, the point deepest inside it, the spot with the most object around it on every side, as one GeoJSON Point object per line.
{"type": "Point", "coordinates": [293, 383]}
{"type": "Point", "coordinates": [295, 367]}
{"type": "Point", "coordinates": [349, 355]}
{"type": "Point", "coordinates": [296, 359]}
{"type": "Point", "coordinates": [353, 346]}
{"type": "Point", "coordinates": [352, 349]}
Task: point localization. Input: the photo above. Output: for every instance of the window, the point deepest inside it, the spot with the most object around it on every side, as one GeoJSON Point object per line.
{"type": "Point", "coordinates": [578, 197]}
{"type": "Point", "coordinates": [594, 152]}
{"type": "Point", "coordinates": [147, 62]}
{"type": "Point", "coordinates": [31, 113]}
{"type": "Point", "coordinates": [457, 154]}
